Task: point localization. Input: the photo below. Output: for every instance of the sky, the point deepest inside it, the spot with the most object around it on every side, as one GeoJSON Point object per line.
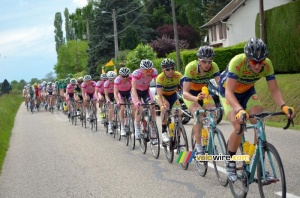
{"type": "Point", "coordinates": [27, 45]}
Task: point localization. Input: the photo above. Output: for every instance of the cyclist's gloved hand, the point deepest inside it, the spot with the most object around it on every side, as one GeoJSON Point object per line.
{"type": "Point", "coordinates": [108, 102]}
{"type": "Point", "coordinates": [240, 114]}
{"type": "Point", "coordinates": [118, 104]}
{"type": "Point", "coordinates": [289, 111]}
{"type": "Point", "coordinates": [137, 104]}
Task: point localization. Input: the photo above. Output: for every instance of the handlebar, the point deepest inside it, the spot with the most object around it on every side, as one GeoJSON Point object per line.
{"type": "Point", "coordinates": [265, 114]}
{"type": "Point", "coordinates": [198, 111]}
{"type": "Point", "coordinates": [177, 109]}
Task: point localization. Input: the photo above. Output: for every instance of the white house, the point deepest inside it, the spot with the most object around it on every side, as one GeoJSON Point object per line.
{"type": "Point", "coordinates": [235, 23]}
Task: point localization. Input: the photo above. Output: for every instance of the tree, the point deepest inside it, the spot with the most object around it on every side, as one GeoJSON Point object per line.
{"type": "Point", "coordinates": [69, 31]}
{"type": "Point", "coordinates": [50, 77]}
{"type": "Point", "coordinates": [5, 87]}
{"type": "Point", "coordinates": [101, 45]}
{"type": "Point", "coordinates": [59, 37]}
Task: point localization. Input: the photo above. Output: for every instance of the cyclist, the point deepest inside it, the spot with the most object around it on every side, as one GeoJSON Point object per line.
{"type": "Point", "coordinates": [166, 86]}
{"type": "Point", "coordinates": [122, 89]}
{"type": "Point", "coordinates": [141, 79]}
{"type": "Point", "coordinates": [88, 92]}
{"type": "Point", "coordinates": [100, 92]}
{"type": "Point", "coordinates": [197, 75]}
{"type": "Point", "coordinates": [25, 94]}
{"type": "Point", "coordinates": [31, 93]}
{"type": "Point", "coordinates": [70, 93]}
{"type": "Point", "coordinates": [50, 90]}
{"type": "Point", "coordinates": [78, 94]}
{"type": "Point", "coordinates": [37, 91]}
{"type": "Point", "coordinates": [238, 95]}
{"type": "Point", "coordinates": [109, 96]}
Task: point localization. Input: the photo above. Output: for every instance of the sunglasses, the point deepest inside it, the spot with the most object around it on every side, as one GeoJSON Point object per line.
{"type": "Point", "coordinates": [206, 61]}
{"type": "Point", "coordinates": [148, 70]}
{"type": "Point", "coordinates": [125, 76]}
{"type": "Point", "coordinates": [170, 68]}
{"type": "Point", "coordinates": [254, 62]}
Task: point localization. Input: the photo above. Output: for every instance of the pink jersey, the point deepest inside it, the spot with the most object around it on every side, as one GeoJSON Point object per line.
{"type": "Point", "coordinates": [109, 86]}
{"type": "Point", "coordinates": [70, 88]}
{"type": "Point", "coordinates": [89, 89]}
{"type": "Point", "coordinates": [121, 85]}
{"type": "Point", "coordinates": [100, 86]}
{"type": "Point", "coordinates": [143, 81]}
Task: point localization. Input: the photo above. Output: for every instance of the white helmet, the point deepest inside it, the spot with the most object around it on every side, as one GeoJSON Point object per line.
{"type": "Point", "coordinates": [146, 64]}
{"type": "Point", "coordinates": [73, 81]}
{"type": "Point", "coordinates": [111, 75]}
{"type": "Point", "coordinates": [87, 77]}
{"type": "Point", "coordinates": [124, 71]}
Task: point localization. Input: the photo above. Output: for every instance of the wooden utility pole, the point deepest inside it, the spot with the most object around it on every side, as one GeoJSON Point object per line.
{"type": "Point", "coordinates": [176, 36]}
{"type": "Point", "coordinates": [262, 20]}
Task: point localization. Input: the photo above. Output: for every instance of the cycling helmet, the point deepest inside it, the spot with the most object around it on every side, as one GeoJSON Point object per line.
{"type": "Point", "coordinates": [35, 85]}
{"type": "Point", "coordinates": [167, 62]}
{"type": "Point", "coordinates": [256, 49]}
{"type": "Point", "coordinates": [73, 81]}
{"type": "Point", "coordinates": [49, 83]}
{"type": "Point", "coordinates": [70, 75]}
{"type": "Point", "coordinates": [80, 79]}
{"type": "Point", "coordinates": [103, 76]}
{"type": "Point", "coordinates": [146, 64]}
{"type": "Point", "coordinates": [205, 52]}
{"type": "Point", "coordinates": [111, 75]}
{"type": "Point", "coordinates": [124, 71]}
{"type": "Point", "coordinates": [87, 77]}
{"type": "Point", "coordinates": [44, 82]}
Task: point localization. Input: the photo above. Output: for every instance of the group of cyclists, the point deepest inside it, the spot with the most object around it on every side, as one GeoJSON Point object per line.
{"type": "Point", "coordinates": [236, 86]}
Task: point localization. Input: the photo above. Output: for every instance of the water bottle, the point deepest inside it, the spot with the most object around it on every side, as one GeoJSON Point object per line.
{"type": "Point", "coordinates": [246, 147]}
{"type": "Point", "coordinates": [204, 136]}
{"type": "Point", "coordinates": [171, 129]}
{"type": "Point", "coordinates": [252, 149]}
{"type": "Point", "coordinates": [205, 91]}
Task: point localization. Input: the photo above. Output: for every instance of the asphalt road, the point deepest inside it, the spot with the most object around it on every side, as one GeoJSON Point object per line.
{"type": "Point", "coordinates": [50, 157]}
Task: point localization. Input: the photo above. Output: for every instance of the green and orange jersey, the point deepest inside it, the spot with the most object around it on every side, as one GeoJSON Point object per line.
{"type": "Point", "coordinates": [197, 78]}
{"type": "Point", "coordinates": [239, 70]}
{"type": "Point", "coordinates": [169, 85]}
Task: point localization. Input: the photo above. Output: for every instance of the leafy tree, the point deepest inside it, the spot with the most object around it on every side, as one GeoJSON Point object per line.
{"type": "Point", "coordinates": [34, 80]}
{"type": "Point", "coordinates": [135, 56]}
{"type": "Point", "coordinates": [101, 45]}
{"type": "Point", "coordinates": [50, 77]}
{"type": "Point", "coordinates": [5, 87]}
{"type": "Point", "coordinates": [72, 58]}
{"type": "Point", "coordinates": [59, 39]}
{"type": "Point", "coordinates": [69, 31]}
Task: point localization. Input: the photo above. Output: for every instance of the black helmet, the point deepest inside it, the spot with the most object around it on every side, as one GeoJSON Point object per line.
{"type": "Point", "coordinates": [256, 49]}
{"type": "Point", "coordinates": [167, 62]}
{"type": "Point", "coordinates": [205, 52]}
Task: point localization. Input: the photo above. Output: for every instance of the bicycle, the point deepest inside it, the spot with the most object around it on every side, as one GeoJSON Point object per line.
{"type": "Point", "coordinates": [175, 129]}
{"type": "Point", "coordinates": [129, 124]}
{"type": "Point", "coordinates": [50, 103]}
{"type": "Point", "coordinates": [32, 103]}
{"type": "Point", "coordinates": [214, 145]}
{"type": "Point", "coordinates": [116, 123]}
{"type": "Point", "coordinates": [262, 161]}
{"type": "Point", "coordinates": [105, 118]}
{"type": "Point", "coordinates": [93, 116]}
{"type": "Point", "coordinates": [146, 126]}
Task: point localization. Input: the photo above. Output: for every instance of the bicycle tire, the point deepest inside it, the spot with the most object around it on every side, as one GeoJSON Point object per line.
{"type": "Point", "coordinates": [95, 122]}
{"type": "Point", "coordinates": [155, 148]}
{"type": "Point", "coordinates": [143, 140]}
{"type": "Point", "coordinates": [169, 149]}
{"type": "Point", "coordinates": [219, 147]}
{"type": "Point", "coordinates": [240, 187]}
{"type": "Point", "coordinates": [273, 184]}
{"type": "Point", "coordinates": [185, 146]}
{"type": "Point", "coordinates": [75, 116]}
{"type": "Point", "coordinates": [201, 166]}
{"type": "Point", "coordinates": [131, 134]}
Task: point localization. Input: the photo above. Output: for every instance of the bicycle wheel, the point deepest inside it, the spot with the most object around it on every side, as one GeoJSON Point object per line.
{"type": "Point", "coordinates": [143, 140]}
{"type": "Point", "coordinates": [95, 121]}
{"type": "Point", "coordinates": [154, 140]}
{"type": "Point", "coordinates": [169, 149]}
{"type": "Point", "coordinates": [274, 172]}
{"type": "Point", "coordinates": [131, 134]}
{"type": "Point", "coordinates": [183, 146]}
{"type": "Point", "coordinates": [240, 187]}
{"type": "Point", "coordinates": [75, 116]}
{"type": "Point", "coordinates": [201, 166]}
{"type": "Point", "coordinates": [219, 147]}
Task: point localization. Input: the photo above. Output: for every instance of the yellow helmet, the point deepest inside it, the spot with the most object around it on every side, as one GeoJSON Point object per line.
{"type": "Point", "coordinates": [35, 85]}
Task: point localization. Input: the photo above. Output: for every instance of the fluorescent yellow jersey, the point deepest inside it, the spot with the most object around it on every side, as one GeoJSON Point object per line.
{"type": "Point", "coordinates": [198, 80]}
{"type": "Point", "coordinates": [168, 85]}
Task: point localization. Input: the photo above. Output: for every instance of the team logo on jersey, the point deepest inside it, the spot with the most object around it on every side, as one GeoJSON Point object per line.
{"type": "Point", "coordinates": [237, 68]}
{"type": "Point", "coordinates": [246, 72]}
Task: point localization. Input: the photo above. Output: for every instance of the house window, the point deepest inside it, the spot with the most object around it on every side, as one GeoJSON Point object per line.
{"type": "Point", "coordinates": [224, 30]}
{"type": "Point", "coordinates": [213, 33]}
{"type": "Point", "coordinates": [220, 31]}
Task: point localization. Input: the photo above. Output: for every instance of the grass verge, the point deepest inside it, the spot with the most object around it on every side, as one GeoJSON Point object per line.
{"type": "Point", "coordinates": [9, 105]}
